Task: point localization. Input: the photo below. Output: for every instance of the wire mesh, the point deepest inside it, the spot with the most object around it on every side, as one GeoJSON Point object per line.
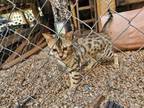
{"type": "Point", "coordinates": [41, 77]}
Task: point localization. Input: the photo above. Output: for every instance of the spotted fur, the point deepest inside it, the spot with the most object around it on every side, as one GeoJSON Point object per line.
{"type": "Point", "coordinates": [60, 9]}
{"type": "Point", "coordinates": [63, 49]}
{"type": "Point", "coordinates": [82, 53]}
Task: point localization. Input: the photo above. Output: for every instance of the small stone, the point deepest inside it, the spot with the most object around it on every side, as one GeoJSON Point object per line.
{"type": "Point", "coordinates": [87, 88]}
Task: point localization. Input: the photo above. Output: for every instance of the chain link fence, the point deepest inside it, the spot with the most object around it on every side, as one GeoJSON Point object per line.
{"type": "Point", "coordinates": [31, 77]}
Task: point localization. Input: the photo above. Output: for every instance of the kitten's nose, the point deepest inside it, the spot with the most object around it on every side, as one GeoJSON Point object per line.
{"type": "Point", "coordinates": [60, 55]}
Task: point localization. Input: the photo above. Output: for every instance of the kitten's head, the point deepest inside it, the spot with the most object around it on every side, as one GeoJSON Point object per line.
{"type": "Point", "coordinates": [61, 47]}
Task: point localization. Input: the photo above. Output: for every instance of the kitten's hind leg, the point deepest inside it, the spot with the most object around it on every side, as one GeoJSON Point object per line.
{"type": "Point", "coordinates": [116, 61]}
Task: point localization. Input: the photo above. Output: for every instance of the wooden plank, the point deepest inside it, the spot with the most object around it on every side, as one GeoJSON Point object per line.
{"type": "Point", "coordinates": [6, 41]}
{"type": "Point", "coordinates": [91, 8]}
{"type": "Point", "coordinates": [3, 8]}
{"type": "Point", "coordinates": [73, 15]}
{"type": "Point", "coordinates": [18, 50]}
{"type": "Point", "coordinates": [89, 20]}
{"type": "Point", "coordinates": [7, 8]}
{"type": "Point", "coordinates": [102, 8]}
{"type": "Point", "coordinates": [35, 10]}
{"type": "Point", "coordinates": [84, 8]}
{"type": "Point", "coordinates": [11, 39]}
{"type": "Point", "coordinates": [133, 1]}
{"type": "Point", "coordinates": [126, 2]}
{"type": "Point", "coordinates": [77, 11]}
{"type": "Point", "coordinates": [24, 56]}
{"type": "Point", "coordinates": [16, 1]}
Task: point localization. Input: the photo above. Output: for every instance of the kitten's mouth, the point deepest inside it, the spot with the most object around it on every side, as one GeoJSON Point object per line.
{"type": "Point", "coordinates": [63, 57]}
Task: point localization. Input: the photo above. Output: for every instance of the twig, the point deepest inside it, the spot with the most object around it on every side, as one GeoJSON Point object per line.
{"type": "Point", "coordinates": [24, 102]}
{"type": "Point", "coordinates": [96, 102]}
{"type": "Point", "coordinates": [18, 50]}
{"type": "Point", "coordinates": [24, 56]}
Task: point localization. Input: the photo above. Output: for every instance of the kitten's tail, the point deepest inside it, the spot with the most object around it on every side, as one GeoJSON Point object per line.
{"type": "Point", "coordinates": [108, 22]}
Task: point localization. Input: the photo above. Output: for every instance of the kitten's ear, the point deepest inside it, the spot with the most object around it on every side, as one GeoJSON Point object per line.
{"type": "Point", "coordinates": [69, 35]}
{"type": "Point", "coordinates": [48, 37]}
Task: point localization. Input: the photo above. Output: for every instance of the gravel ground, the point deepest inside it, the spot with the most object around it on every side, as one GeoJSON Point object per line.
{"type": "Point", "coordinates": [42, 80]}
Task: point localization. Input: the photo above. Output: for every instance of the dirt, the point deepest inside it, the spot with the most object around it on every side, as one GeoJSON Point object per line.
{"type": "Point", "coordinates": [41, 78]}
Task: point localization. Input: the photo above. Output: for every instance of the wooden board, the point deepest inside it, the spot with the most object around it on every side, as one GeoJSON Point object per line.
{"type": "Point", "coordinates": [126, 2]}
{"type": "Point", "coordinates": [102, 8]}
{"type": "Point", "coordinates": [16, 1]}
{"type": "Point", "coordinates": [125, 36]}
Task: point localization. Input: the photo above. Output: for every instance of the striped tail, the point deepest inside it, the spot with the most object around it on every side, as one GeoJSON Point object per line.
{"type": "Point", "coordinates": [108, 22]}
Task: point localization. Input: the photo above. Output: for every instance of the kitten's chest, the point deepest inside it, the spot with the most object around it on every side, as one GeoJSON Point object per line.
{"type": "Point", "coordinates": [76, 60]}
{"type": "Point", "coordinates": [71, 61]}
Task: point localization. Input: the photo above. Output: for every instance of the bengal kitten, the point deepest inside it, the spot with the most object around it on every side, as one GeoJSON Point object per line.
{"type": "Point", "coordinates": [81, 53]}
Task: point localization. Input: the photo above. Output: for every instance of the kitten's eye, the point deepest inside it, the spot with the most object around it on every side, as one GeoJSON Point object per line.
{"type": "Point", "coordinates": [54, 50]}
{"type": "Point", "coordinates": [65, 48]}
